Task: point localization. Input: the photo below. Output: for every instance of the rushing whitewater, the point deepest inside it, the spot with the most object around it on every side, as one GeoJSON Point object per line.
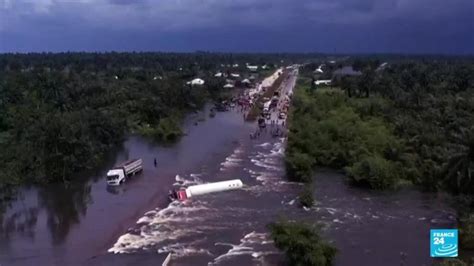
{"type": "Point", "coordinates": [179, 227]}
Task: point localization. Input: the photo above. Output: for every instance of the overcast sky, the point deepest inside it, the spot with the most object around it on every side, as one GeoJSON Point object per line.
{"type": "Point", "coordinates": [341, 26]}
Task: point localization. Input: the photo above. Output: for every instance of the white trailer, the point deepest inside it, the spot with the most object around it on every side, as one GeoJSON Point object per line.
{"type": "Point", "coordinates": [167, 260]}
{"type": "Point", "coordinates": [203, 189]}
{"type": "Point", "coordinates": [119, 173]}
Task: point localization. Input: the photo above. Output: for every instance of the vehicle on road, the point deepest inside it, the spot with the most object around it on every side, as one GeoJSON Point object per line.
{"type": "Point", "coordinates": [274, 102]}
{"type": "Point", "coordinates": [119, 173]}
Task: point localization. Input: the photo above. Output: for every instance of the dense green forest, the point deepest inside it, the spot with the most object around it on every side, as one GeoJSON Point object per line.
{"type": "Point", "coordinates": [60, 113]}
{"type": "Point", "coordinates": [408, 122]}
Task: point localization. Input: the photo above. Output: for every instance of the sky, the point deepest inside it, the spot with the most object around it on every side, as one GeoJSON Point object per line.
{"type": "Point", "coordinates": [327, 26]}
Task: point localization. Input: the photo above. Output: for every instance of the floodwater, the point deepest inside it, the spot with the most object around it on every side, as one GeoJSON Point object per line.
{"type": "Point", "coordinates": [58, 225]}
{"type": "Point", "coordinates": [89, 224]}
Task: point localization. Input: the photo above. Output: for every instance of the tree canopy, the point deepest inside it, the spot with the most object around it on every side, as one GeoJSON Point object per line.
{"type": "Point", "coordinates": [302, 244]}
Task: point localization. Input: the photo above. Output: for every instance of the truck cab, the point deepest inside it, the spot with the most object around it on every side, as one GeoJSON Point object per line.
{"type": "Point", "coordinates": [115, 177]}
{"type": "Point", "coordinates": [119, 173]}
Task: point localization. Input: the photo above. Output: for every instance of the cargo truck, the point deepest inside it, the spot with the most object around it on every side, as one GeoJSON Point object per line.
{"type": "Point", "coordinates": [119, 173]}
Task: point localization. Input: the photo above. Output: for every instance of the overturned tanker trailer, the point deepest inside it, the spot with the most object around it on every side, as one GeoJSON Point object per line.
{"type": "Point", "coordinates": [196, 190]}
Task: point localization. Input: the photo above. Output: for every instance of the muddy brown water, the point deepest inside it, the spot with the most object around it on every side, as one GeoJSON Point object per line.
{"type": "Point", "coordinates": [88, 223]}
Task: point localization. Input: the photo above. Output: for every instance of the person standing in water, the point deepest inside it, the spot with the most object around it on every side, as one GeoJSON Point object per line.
{"type": "Point", "coordinates": [154, 161]}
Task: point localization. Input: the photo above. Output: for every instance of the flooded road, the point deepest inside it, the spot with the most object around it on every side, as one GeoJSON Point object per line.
{"type": "Point", "coordinates": [88, 224]}
{"type": "Point", "coordinates": [58, 225]}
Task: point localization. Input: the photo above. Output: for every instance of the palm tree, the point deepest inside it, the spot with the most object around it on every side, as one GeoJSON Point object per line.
{"type": "Point", "coordinates": [459, 170]}
{"type": "Point", "coordinates": [366, 81]}
{"type": "Point", "coordinates": [346, 85]}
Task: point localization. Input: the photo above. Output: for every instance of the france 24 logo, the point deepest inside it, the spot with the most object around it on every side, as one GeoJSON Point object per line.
{"type": "Point", "coordinates": [443, 243]}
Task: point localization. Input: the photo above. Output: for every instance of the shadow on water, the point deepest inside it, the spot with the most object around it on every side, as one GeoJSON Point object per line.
{"type": "Point", "coordinates": [64, 205]}
{"type": "Point", "coordinates": [22, 221]}
{"type": "Point", "coordinates": [116, 190]}
{"type": "Point", "coordinates": [63, 208]}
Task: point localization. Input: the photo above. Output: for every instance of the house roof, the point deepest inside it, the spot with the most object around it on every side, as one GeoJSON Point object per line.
{"type": "Point", "coordinates": [382, 66]}
{"type": "Point", "coordinates": [196, 81]}
{"type": "Point", "coordinates": [319, 70]}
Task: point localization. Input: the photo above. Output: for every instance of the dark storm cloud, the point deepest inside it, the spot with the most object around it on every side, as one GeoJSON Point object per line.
{"type": "Point", "coordinates": [244, 25]}
{"type": "Point", "coordinates": [124, 2]}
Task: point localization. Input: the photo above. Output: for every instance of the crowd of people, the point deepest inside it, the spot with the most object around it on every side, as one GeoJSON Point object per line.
{"type": "Point", "coordinates": [267, 123]}
{"type": "Point", "coordinates": [276, 124]}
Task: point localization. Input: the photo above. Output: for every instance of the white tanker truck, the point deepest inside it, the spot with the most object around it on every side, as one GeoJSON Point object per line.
{"type": "Point", "coordinates": [191, 191]}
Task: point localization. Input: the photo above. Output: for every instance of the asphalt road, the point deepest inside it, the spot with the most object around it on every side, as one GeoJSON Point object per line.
{"type": "Point", "coordinates": [285, 87]}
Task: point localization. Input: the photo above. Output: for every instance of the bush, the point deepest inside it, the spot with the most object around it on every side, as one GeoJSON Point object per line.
{"type": "Point", "coordinates": [302, 244]}
{"type": "Point", "coordinates": [167, 130]}
{"type": "Point", "coordinates": [299, 167]}
{"type": "Point", "coordinates": [306, 196]}
{"type": "Point", "coordinates": [375, 171]}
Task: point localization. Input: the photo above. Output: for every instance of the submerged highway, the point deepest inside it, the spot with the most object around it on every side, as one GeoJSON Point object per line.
{"type": "Point", "coordinates": [88, 223]}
